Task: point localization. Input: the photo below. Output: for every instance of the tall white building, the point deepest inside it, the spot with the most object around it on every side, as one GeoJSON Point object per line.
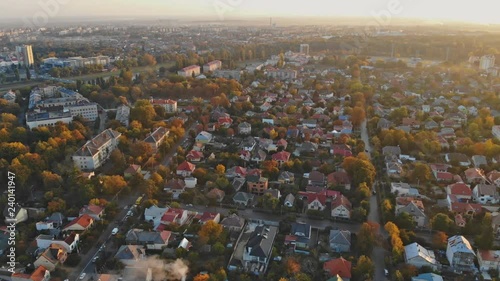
{"type": "Point", "coordinates": [26, 53]}
{"type": "Point", "coordinates": [304, 49]}
{"type": "Point", "coordinates": [486, 62]}
{"type": "Point", "coordinates": [96, 151]}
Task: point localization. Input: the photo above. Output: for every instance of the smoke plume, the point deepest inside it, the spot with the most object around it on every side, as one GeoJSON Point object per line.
{"type": "Point", "coordinates": [161, 271]}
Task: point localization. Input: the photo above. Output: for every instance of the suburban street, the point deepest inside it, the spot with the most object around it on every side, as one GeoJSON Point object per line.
{"type": "Point", "coordinates": [378, 254]}
{"type": "Point", "coordinates": [86, 264]}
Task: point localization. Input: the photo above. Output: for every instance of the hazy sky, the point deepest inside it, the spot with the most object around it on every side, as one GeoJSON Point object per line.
{"type": "Point", "coordinates": [483, 11]}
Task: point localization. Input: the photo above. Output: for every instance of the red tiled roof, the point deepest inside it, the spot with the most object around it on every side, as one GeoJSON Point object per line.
{"type": "Point", "coordinates": [92, 209]}
{"type": "Point", "coordinates": [281, 156]}
{"type": "Point", "coordinates": [186, 166]}
{"type": "Point", "coordinates": [444, 176]}
{"type": "Point", "coordinates": [460, 207]}
{"type": "Point", "coordinates": [132, 169]}
{"type": "Point", "coordinates": [460, 189]}
{"type": "Point", "coordinates": [193, 154]}
{"type": "Point", "coordinates": [83, 220]}
{"type": "Point", "coordinates": [169, 217]}
{"type": "Point", "coordinates": [339, 266]}
{"type": "Point", "coordinates": [208, 216]}
{"type": "Point", "coordinates": [341, 200]}
{"type": "Point", "coordinates": [320, 197]}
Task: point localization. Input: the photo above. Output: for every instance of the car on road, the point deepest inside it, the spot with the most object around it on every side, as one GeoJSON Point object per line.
{"type": "Point", "coordinates": [82, 275]}
{"type": "Point", "coordinates": [95, 259]}
{"type": "Point", "coordinates": [114, 231]}
{"type": "Point", "coordinates": [130, 213]}
{"type": "Point", "coordinates": [189, 205]}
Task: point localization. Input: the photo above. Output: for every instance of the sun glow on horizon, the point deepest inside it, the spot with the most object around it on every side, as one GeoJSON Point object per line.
{"type": "Point", "coordinates": [480, 11]}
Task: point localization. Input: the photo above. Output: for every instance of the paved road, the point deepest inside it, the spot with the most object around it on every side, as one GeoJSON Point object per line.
{"type": "Point", "coordinates": [86, 264]}
{"type": "Point", "coordinates": [378, 254]}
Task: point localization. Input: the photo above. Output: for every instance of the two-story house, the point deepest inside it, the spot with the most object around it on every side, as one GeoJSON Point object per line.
{"type": "Point", "coordinates": [258, 249]}
{"type": "Point", "coordinates": [69, 242]}
{"type": "Point", "coordinates": [460, 254]}
{"type": "Point", "coordinates": [485, 194]}
{"type": "Point", "coordinates": [341, 207]}
{"type": "Point", "coordinates": [52, 256]}
{"type": "Point", "coordinates": [244, 128]}
{"type": "Point", "coordinates": [281, 157]}
{"type": "Point", "coordinates": [413, 207]}
{"type": "Point", "coordinates": [257, 184]}
{"type": "Point", "coordinates": [488, 260]}
{"type": "Point", "coordinates": [81, 224]}
{"type": "Point", "coordinates": [185, 169]}
{"type": "Point", "coordinates": [419, 256]}
{"type": "Point", "coordinates": [316, 202]}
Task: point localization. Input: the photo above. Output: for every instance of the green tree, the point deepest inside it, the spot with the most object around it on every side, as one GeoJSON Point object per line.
{"type": "Point", "coordinates": [441, 222]}
{"type": "Point", "coordinates": [405, 221]}
{"type": "Point", "coordinates": [143, 112]}
{"type": "Point", "coordinates": [484, 241]}
{"type": "Point", "coordinates": [421, 173]}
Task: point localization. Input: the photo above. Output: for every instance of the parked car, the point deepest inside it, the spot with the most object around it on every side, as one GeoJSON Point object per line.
{"type": "Point", "coordinates": [114, 231]}
{"type": "Point", "coordinates": [82, 275]}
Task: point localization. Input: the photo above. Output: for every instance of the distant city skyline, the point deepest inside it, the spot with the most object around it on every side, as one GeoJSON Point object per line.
{"type": "Point", "coordinates": [480, 11]}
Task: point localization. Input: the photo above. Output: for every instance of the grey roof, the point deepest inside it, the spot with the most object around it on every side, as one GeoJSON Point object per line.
{"type": "Point", "coordinates": [243, 197]}
{"type": "Point", "coordinates": [233, 221]}
{"type": "Point", "coordinates": [290, 198]}
{"type": "Point", "coordinates": [261, 241]}
{"type": "Point", "coordinates": [238, 183]}
{"type": "Point", "coordinates": [140, 236]}
{"type": "Point", "coordinates": [130, 252]}
{"type": "Point", "coordinates": [412, 209]}
{"type": "Point", "coordinates": [391, 150]}
{"type": "Point", "coordinates": [301, 229]}
{"type": "Point", "coordinates": [341, 237]}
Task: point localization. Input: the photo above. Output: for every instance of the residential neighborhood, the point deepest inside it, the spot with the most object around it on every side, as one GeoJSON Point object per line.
{"type": "Point", "coordinates": [227, 152]}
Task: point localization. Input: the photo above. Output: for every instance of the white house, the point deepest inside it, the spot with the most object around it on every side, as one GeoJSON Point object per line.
{"type": "Point", "coordinates": [154, 214]}
{"type": "Point", "coordinates": [341, 207]}
{"type": "Point", "coordinates": [460, 254]}
{"type": "Point", "coordinates": [289, 200]}
{"type": "Point", "coordinates": [69, 242]}
{"type": "Point", "coordinates": [485, 194]}
{"type": "Point", "coordinates": [488, 260]}
{"type": "Point", "coordinates": [419, 256]}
